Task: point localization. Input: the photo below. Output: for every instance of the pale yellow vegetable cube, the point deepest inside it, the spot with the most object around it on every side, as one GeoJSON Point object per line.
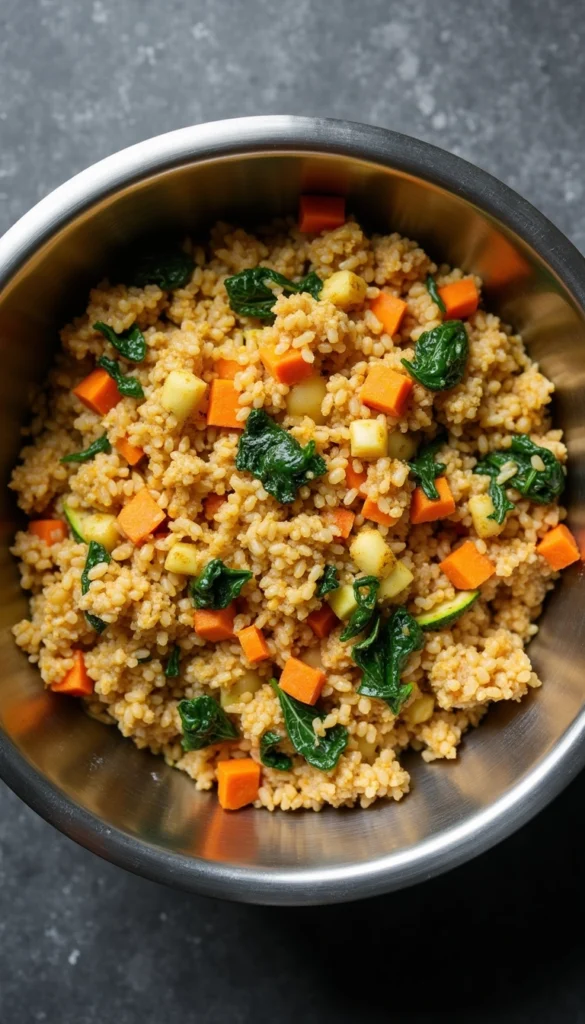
{"type": "Point", "coordinates": [402, 446]}
{"type": "Point", "coordinates": [250, 683]}
{"type": "Point", "coordinates": [312, 657]}
{"type": "Point", "coordinates": [305, 399]}
{"type": "Point", "coordinates": [342, 601]}
{"type": "Point", "coordinates": [182, 393]}
{"type": "Point", "coordinates": [420, 710]}
{"type": "Point", "coordinates": [481, 507]}
{"type": "Point", "coordinates": [371, 554]}
{"type": "Point", "coordinates": [184, 558]}
{"type": "Point", "coordinates": [398, 580]}
{"type": "Point", "coordinates": [368, 439]}
{"type": "Point", "coordinates": [102, 528]}
{"type": "Point", "coordinates": [344, 289]}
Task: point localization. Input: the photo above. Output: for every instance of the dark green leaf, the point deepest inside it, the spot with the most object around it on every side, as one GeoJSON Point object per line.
{"type": "Point", "coordinates": [271, 756]}
{"type": "Point", "coordinates": [383, 655]}
{"type": "Point", "coordinates": [131, 343]}
{"type": "Point", "coordinates": [276, 458]}
{"type": "Point", "coordinates": [101, 444]}
{"type": "Point", "coordinates": [425, 469]}
{"type": "Point", "coordinates": [172, 668]}
{"type": "Point", "coordinates": [128, 386]}
{"type": "Point", "coordinates": [433, 292]}
{"type": "Point", "coordinates": [250, 295]}
{"type": "Point", "coordinates": [328, 581]}
{"type": "Point", "coordinates": [440, 356]}
{"type": "Point", "coordinates": [323, 752]}
{"type": "Point", "coordinates": [217, 586]}
{"type": "Point", "coordinates": [96, 553]}
{"type": "Point", "coordinates": [365, 589]}
{"type": "Point", "coordinates": [142, 661]}
{"type": "Point", "coordinates": [204, 722]}
{"type": "Point", "coordinates": [166, 269]}
{"type": "Point", "coordinates": [542, 486]}
{"type": "Point", "coordinates": [501, 502]}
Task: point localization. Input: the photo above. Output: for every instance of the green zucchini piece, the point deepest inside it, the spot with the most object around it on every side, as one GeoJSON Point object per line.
{"type": "Point", "coordinates": [75, 520]}
{"type": "Point", "coordinates": [447, 612]}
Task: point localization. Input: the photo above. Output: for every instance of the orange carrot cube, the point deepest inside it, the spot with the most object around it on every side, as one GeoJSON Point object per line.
{"type": "Point", "coordinates": [461, 298]}
{"type": "Point", "coordinates": [76, 683]}
{"type": "Point", "coordinates": [386, 390]}
{"type": "Point", "coordinates": [98, 392]}
{"type": "Point", "coordinates": [425, 510]}
{"type": "Point", "coordinates": [215, 624]}
{"type": "Point", "coordinates": [128, 451]}
{"type": "Point", "coordinates": [288, 368]}
{"type": "Point", "coordinates": [253, 644]}
{"type": "Point", "coordinates": [50, 530]}
{"type": "Point", "coordinates": [302, 681]}
{"type": "Point", "coordinates": [238, 782]}
{"type": "Point", "coordinates": [224, 405]}
{"type": "Point", "coordinates": [372, 511]}
{"type": "Point", "coordinates": [389, 310]}
{"type": "Point", "coordinates": [321, 213]}
{"type": "Point", "coordinates": [212, 503]}
{"type": "Point", "coordinates": [355, 481]}
{"type": "Point", "coordinates": [322, 620]}
{"type": "Point", "coordinates": [559, 547]}
{"type": "Point", "coordinates": [227, 368]}
{"type": "Point", "coordinates": [140, 517]}
{"type": "Point", "coordinates": [466, 567]}
{"type": "Point", "coordinates": [342, 519]}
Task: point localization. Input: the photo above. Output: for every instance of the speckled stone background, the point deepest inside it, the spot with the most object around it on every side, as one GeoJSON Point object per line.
{"type": "Point", "coordinates": [500, 940]}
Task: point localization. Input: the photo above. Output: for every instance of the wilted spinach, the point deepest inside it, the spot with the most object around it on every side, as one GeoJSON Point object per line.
{"type": "Point", "coordinates": [131, 343]}
{"type": "Point", "coordinates": [96, 553]}
{"type": "Point", "coordinates": [542, 486]}
{"type": "Point", "coordinates": [249, 295]}
{"type": "Point", "coordinates": [101, 444]}
{"type": "Point", "coordinates": [217, 585]}
{"type": "Point", "coordinates": [276, 458]}
{"type": "Point", "coordinates": [166, 269]}
{"type": "Point", "coordinates": [128, 386]}
{"type": "Point", "coordinates": [424, 467]}
{"type": "Point", "coordinates": [383, 655]}
{"type": "Point", "coordinates": [172, 667]}
{"type": "Point", "coordinates": [440, 356]}
{"type": "Point", "coordinates": [271, 756]}
{"type": "Point", "coordinates": [328, 581]}
{"type": "Point", "coordinates": [323, 752]}
{"type": "Point", "coordinates": [365, 589]}
{"type": "Point", "coordinates": [434, 292]}
{"type": "Point", "coordinates": [204, 722]}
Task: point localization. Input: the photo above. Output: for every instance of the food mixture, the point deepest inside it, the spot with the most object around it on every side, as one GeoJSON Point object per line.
{"type": "Point", "coordinates": [294, 508]}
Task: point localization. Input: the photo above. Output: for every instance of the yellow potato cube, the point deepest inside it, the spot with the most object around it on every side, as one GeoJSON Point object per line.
{"type": "Point", "coordinates": [185, 559]}
{"type": "Point", "coordinates": [344, 289]}
{"type": "Point", "coordinates": [397, 581]}
{"type": "Point", "coordinates": [102, 528]}
{"type": "Point", "coordinates": [305, 399]}
{"type": "Point", "coordinates": [481, 507]}
{"type": "Point", "coordinates": [182, 393]}
{"type": "Point", "coordinates": [342, 601]}
{"type": "Point", "coordinates": [371, 553]}
{"type": "Point", "coordinates": [420, 710]}
{"type": "Point", "coordinates": [250, 682]}
{"type": "Point", "coordinates": [402, 446]}
{"type": "Point", "coordinates": [368, 439]}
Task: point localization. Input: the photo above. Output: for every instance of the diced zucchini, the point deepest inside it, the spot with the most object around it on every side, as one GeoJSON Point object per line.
{"type": "Point", "coordinates": [402, 446]}
{"type": "Point", "coordinates": [182, 393]}
{"type": "Point", "coordinates": [344, 289]}
{"type": "Point", "coordinates": [75, 520]}
{"type": "Point", "coordinates": [250, 682]}
{"type": "Point", "coordinates": [420, 710]}
{"type": "Point", "coordinates": [366, 749]}
{"type": "Point", "coordinates": [184, 558]}
{"type": "Point", "coordinates": [448, 611]}
{"type": "Point", "coordinates": [305, 399]}
{"type": "Point", "coordinates": [343, 601]}
{"type": "Point", "coordinates": [371, 554]}
{"type": "Point", "coordinates": [101, 527]}
{"type": "Point", "coordinates": [368, 439]}
{"type": "Point", "coordinates": [399, 579]}
{"type": "Point", "coordinates": [481, 507]}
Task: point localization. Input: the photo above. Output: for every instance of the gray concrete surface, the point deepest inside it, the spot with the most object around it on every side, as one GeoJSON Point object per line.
{"type": "Point", "coordinates": [502, 84]}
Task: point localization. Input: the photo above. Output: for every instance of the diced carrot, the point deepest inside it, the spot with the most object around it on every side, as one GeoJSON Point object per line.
{"type": "Point", "coordinates": [389, 310]}
{"type": "Point", "coordinates": [238, 782]}
{"type": "Point", "coordinates": [76, 682]}
{"type": "Point", "coordinates": [50, 530]}
{"type": "Point", "coordinates": [288, 368]}
{"type": "Point", "coordinates": [130, 452]}
{"type": "Point", "coordinates": [425, 510]}
{"type": "Point", "coordinates": [355, 481]}
{"type": "Point", "coordinates": [223, 405]}
{"type": "Point", "coordinates": [466, 567]}
{"type": "Point", "coordinates": [215, 624]}
{"type": "Point", "coordinates": [322, 620]}
{"type": "Point", "coordinates": [461, 298]}
{"type": "Point", "coordinates": [321, 213]}
{"type": "Point", "coordinates": [253, 644]}
{"type": "Point", "coordinates": [302, 681]}
{"type": "Point", "coordinates": [559, 547]}
{"type": "Point", "coordinates": [98, 392]}
{"type": "Point", "coordinates": [386, 390]}
{"type": "Point", "coordinates": [227, 368]}
{"type": "Point", "coordinates": [212, 503]}
{"type": "Point", "coordinates": [372, 511]}
{"type": "Point", "coordinates": [140, 517]}
{"type": "Point", "coordinates": [341, 518]}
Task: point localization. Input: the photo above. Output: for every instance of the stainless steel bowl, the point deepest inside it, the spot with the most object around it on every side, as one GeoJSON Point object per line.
{"type": "Point", "coordinates": [127, 805]}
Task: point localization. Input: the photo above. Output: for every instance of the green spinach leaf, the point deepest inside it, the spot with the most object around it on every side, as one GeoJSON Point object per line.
{"type": "Point", "coordinates": [96, 553]}
{"type": "Point", "coordinates": [271, 756]}
{"type": "Point", "coordinates": [434, 292]}
{"type": "Point", "coordinates": [424, 467]}
{"type": "Point", "coordinates": [276, 458]}
{"type": "Point", "coordinates": [383, 655]}
{"type": "Point", "coordinates": [440, 356]}
{"type": "Point", "coordinates": [541, 485]}
{"type": "Point", "coordinates": [217, 586]}
{"type": "Point", "coordinates": [501, 502]}
{"type": "Point", "coordinates": [323, 752]}
{"type": "Point", "coordinates": [131, 343]}
{"type": "Point", "coordinates": [249, 295]}
{"type": "Point", "coordinates": [145, 659]}
{"type": "Point", "coordinates": [166, 269]}
{"type": "Point", "coordinates": [204, 722]}
{"type": "Point", "coordinates": [128, 386]}
{"type": "Point", "coordinates": [328, 581]}
{"type": "Point", "coordinates": [101, 444]}
{"type": "Point", "coordinates": [365, 589]}
{"type": "Point", "coordinates": [172, 667]}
